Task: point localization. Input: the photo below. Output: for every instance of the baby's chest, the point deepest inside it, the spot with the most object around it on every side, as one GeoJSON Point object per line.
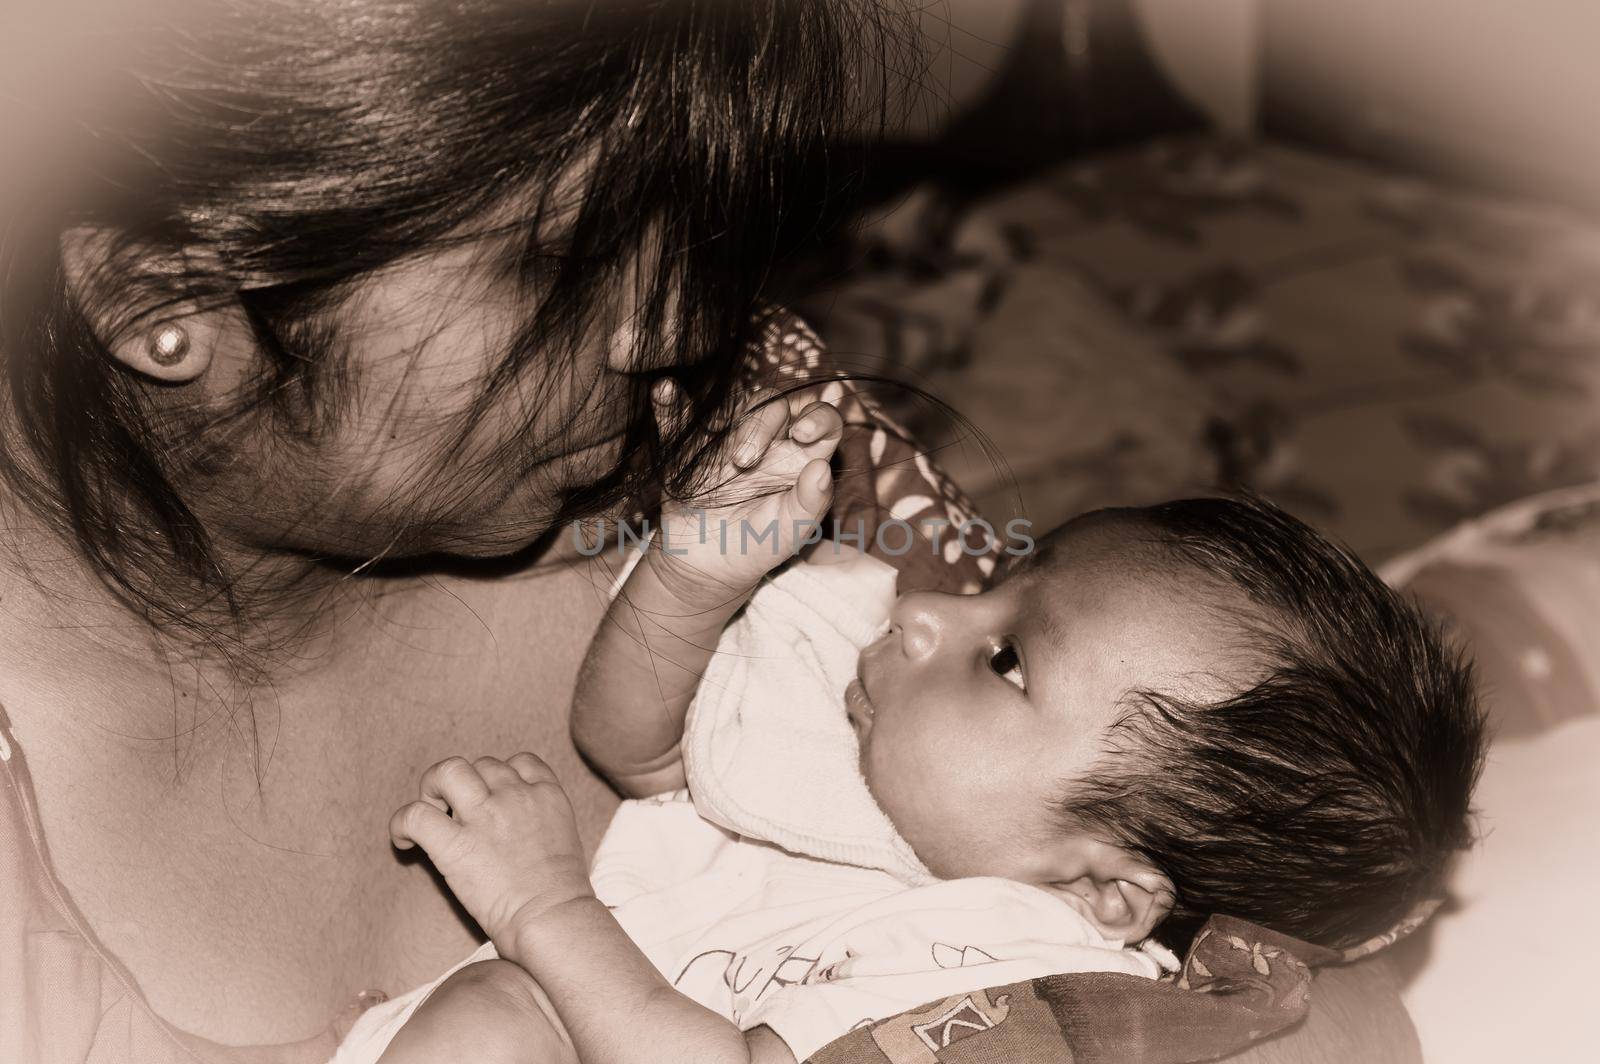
{"type": "Point", "coordinates": [728, 921]}
{"type": "Point", "coordinates": [732, 942]}
{"type": "Point", "coordinates": [757, 934]}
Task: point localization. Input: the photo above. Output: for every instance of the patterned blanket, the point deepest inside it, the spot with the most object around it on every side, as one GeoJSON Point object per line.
{"type": "Point", "coordinates": [1385, 356]}
{"type": "Point", "coordinates": [1239, 984]}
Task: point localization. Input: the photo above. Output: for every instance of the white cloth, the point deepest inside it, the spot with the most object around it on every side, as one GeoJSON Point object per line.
{"type": "Point", "coordinates": [376, 1028]}
{"type": "Point", "coordinates": [767, 747]}
{"type": "Point", "coordinates": [780, 894]}
{"type": "Point", "coordinates": [809, 948]}
{"type": "Point", "coordinates": [814, 948]}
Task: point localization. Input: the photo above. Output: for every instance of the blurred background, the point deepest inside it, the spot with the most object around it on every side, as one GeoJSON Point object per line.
{"type": "Point", "coordinates": [1345, 254]}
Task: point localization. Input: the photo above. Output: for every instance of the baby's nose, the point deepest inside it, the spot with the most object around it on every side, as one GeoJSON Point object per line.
{"type": "Point", "coordinates": [915, 620]}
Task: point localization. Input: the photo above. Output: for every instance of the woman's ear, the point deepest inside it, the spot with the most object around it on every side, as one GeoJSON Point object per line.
{"type": "Point", "coordinates": [1123, 895]}
{"type": "Point", "coordinates": [174, 346]}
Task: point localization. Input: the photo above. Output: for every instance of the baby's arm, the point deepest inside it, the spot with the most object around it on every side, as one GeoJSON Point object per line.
{"type": "Point", "coordinates": [660, 632]}
{"type": "Point", "coordinates": [503, 836]}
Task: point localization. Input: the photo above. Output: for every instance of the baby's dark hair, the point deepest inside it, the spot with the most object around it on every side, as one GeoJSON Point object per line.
{"type": "Point", "coordinates": [1327, 797]}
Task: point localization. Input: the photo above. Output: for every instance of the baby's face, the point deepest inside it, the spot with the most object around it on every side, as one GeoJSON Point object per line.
{"type": "Point", "coordinates": [977, 712]}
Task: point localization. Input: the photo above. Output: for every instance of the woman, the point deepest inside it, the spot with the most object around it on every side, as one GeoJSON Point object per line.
{"type": "Point", "coordinates": [296, 291]}
{"type": "Point", "coordinates": [321, 322]}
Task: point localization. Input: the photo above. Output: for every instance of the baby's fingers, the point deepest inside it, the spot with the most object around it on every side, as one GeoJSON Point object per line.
{"type": "Point", "coordinates": [455, 783]}
{"type": "Point", "coordinates": [422, 824]}
{"type": "Point", "coordinates": [531, 768]}
{"type": "Point", "coordinates": [818, 424]}
{"type": "Point", "coordinates": [496, 774]}
{"type": "Point", "coordinates": [813, 488]}
{"type": "Point", "coordinates": [763, 424]}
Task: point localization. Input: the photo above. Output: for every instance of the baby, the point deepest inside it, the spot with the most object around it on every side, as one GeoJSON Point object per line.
{"type": "Point", "coordinates": [1156, 715]}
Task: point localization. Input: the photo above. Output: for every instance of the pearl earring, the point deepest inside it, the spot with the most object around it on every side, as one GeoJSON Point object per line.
{"type": "Point", "coordinates": [169, 345]}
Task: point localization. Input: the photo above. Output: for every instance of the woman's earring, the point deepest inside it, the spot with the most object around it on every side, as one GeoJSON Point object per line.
{"type": "Point", "coordinates": [169, 345]}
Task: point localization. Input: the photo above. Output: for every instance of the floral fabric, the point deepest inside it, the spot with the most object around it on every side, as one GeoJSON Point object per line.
{"type": "Point", "coordinates": [1239, 984]}
{"type": "Point", "coordinates": [891, 499]}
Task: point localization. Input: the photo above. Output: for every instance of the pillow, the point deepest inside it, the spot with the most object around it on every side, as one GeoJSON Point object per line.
{"type": "Point", "coordinates": [1502, 971]}
{"type": "Point", "coordinates": [1520, 587]}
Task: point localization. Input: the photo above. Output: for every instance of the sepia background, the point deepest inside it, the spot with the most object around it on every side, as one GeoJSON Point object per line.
{"type": "Point", "coordinates": [1345, 253]}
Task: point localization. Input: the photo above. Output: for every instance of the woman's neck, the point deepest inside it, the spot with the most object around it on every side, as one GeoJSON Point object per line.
{"type": "Point", "coordinates": [179, 709]}
{"type": "Point", "coordinates": [288, 615]}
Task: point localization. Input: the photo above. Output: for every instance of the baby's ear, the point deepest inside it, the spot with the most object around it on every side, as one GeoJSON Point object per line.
{"type": "Point", "coordinates": [1146, 902]}
{"type": "Point", "coordinates": [1121, 894]}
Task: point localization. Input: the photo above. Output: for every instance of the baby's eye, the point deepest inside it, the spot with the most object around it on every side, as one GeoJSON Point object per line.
{"type": "Point", "coordinates": [1007, 664]}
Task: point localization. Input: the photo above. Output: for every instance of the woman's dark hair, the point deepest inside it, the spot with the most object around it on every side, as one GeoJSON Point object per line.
{"type": "Point", "coordinates": [1325, 798]}
{"type": "Point", "coordinates": [277, 150]}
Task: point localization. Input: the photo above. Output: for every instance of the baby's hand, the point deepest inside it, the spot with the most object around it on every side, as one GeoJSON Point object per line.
{"type": "Point", "coordinates": [769, 487]}
{"type": "Point", "coordinates": [502, 835]}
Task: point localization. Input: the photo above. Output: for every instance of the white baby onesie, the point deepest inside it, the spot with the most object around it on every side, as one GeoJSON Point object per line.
{"type": "Point", "coordinates": [814, 948]}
